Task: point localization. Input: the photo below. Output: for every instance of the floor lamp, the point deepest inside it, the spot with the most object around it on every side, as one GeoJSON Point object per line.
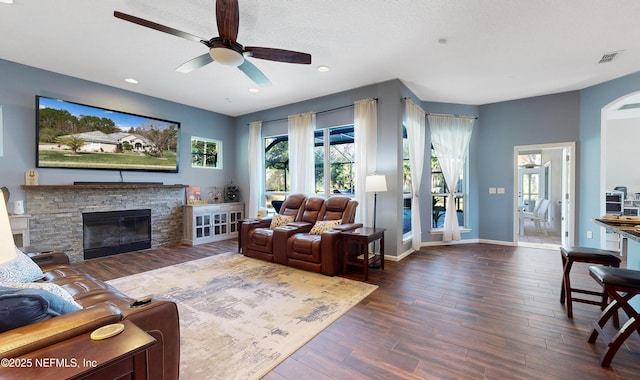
{"type": "Point", "coordinates": [375, 183]}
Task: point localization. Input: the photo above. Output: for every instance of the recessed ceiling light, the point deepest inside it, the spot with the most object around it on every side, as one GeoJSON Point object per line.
{"type": "Point", "coordinates": [6, 1]}
{"type": "Point", "coordinates": [131, 80]}
{"type": "Point", "coordinates": [323, 68]}
{"type": "Point", "coordinates": [254, 90]}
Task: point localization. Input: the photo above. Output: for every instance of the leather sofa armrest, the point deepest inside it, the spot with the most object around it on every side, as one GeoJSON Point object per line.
{"type": "Point", "coordinates": [280, 237]}
{"type": "Point", "coordinates": [248, 225]}
{"type": "Point", "coordinates": [159, 318]}
{"type": "Point", "coordinates": [301, 226]}
{"type": "Point", "coordinates": [347, 227]}
{"type": "Point", "coordinates": [25, 339]}
{"type": "Point", "coordinates": [332, 255]}
{"type": "Point", "coordinates": [258, 222]}
{"type": "Point", "coordinates": [49, 258]}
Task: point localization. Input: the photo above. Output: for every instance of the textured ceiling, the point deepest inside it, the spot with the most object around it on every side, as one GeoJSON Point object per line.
{"type": "Point", "coordinates": [493, 50]}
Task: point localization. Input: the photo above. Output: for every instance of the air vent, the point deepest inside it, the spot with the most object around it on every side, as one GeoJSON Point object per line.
{"type": "Point", "coordinates": [608, 57]}
{"type": "Point", "coordinates": [630, 106]}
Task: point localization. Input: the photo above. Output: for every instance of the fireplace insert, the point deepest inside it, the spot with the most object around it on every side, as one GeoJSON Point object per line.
{"type": "Point", "coordinates": [113, 232]}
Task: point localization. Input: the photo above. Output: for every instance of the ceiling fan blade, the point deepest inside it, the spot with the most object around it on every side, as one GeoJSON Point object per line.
{"type": "Point", "coordinates": [227, 18]}
{"type": "Point", "coordinates": [195, 63]}
{"type": "Point", "coordinates": [156, 26]}
{"type": "Point", "coordinates": [254, 74]}
{"type": "Point", "coordinates": [279, 55]}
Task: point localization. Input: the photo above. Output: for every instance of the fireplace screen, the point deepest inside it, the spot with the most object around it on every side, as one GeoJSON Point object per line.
{"type": "Point", "coordinates": [112, 232]}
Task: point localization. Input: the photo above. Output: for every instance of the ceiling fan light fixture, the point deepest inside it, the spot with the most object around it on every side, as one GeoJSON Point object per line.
{"type": "Point", "coordinates": [226, 56]}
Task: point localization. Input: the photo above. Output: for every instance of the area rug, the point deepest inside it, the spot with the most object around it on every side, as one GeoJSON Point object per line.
{"type": "Point", "coordinates": [240, 317]}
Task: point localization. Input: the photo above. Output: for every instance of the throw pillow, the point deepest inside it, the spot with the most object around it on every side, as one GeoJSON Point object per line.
{"type": "Point", "coordinates": [324, 226]}
{"type": "Point", "coordinates": [45, 286]}
{"type": "Point", "coordinates": [20, 307]}
{"type": "Point", "coordinates": [20, 269]}
{"type": "Point", "coordinates": [280, 220]}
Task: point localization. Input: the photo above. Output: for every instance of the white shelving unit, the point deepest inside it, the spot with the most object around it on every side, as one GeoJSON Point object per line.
{"type": "Point", "coordinates": [20, 229]}
{"type": "Point", "coordinates": [211, 222]}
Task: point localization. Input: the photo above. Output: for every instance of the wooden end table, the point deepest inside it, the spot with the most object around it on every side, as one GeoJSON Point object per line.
{"type": "Point", "coordinates": [361, 237]}
{"type": "Point", "coordinates": [121, 356]}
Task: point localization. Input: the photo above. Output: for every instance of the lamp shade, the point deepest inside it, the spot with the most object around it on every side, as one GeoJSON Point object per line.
{"type": "Point", "coordinates": [7, 245]}
{"type": "Point", "coordinates": [375, 183]}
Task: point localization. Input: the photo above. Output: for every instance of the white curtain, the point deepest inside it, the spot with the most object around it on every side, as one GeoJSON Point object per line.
{"type": "Point", "coordinates": [450, 139]}
{"type": "Point", "coordinates": [301, 159]}
{"type": "Point", "coordinates": [365, 132]}
{"type": "Point", "coordinates": [256, 169]}
{"type": "Point", "coordinates": [416, 138]}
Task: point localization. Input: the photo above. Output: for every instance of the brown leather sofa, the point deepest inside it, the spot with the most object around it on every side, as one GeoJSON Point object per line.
{"type": "Point", "coordinates": [292, 244]}
{"type": "Point", "coordinates": [102, 305]}
{"type": "Point", "coordinates": [323, 253]}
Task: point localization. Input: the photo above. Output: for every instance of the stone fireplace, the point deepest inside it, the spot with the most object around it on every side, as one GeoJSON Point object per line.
{"type": "Point", "coordinates": [56, 213]}
{"type": "Point", "coordinates": [108, 233]}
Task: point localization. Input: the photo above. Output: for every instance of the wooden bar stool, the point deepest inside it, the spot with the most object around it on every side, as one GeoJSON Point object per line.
{"type": "Point", "coordinates": [620, 285]}
{"type": "Point", "coordinates": [570, 255]}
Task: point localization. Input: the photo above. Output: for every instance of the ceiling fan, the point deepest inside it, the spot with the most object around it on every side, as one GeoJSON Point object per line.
{"type": "Point", "coordinates": [224, 48]}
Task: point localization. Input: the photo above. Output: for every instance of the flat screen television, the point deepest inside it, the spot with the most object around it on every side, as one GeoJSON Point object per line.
{"type": "Point", "coordinates": [78, 136]}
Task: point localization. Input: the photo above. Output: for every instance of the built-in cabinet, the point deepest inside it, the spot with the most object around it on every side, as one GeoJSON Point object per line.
{"type": "Point", "coordinates": [211, 222]}
{"type": "Point", "coordinates": [20, 229]}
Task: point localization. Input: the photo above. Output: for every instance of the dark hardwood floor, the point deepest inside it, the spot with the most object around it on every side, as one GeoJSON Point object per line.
{"type": "Point", "coordinates": [473, 311]}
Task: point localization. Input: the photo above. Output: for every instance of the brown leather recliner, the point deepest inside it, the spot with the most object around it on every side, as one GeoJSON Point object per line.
{"type": "Point", "coordinates": [256, 238]}
{"type": "Point", "coordinates": [102, 305]}
{"type": "Point", "coordinates": [323, 253]}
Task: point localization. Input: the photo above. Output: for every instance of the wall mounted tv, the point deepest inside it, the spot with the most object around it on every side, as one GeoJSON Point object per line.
{"type": "Point", "coordinates": [77, 136]}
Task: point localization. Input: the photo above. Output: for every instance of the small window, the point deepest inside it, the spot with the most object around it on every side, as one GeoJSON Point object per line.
{"type": "Point", "coordinates": [206, 153]}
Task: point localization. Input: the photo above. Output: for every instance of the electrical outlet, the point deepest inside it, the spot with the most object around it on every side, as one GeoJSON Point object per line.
{"type": "Point", "coordinates": [501, 190]}
{"type": "Point", "coordinates": [492, 190]}
{"type": "Point", "coordinates": [589, 234]}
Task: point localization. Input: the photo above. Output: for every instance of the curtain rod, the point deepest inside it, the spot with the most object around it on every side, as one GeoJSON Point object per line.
{"type": "Point", "coordinates": [450, 115]}
{"type": "Point", "coordinates": [445, 114]}
{"type": "Point", "coordinates": [324, 111]}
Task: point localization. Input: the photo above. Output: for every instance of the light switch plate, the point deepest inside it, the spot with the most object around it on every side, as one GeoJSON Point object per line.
{"type": "Point", "coordinates": [501, 190]}
{"type": "Point", "coordinates": [492, 190]}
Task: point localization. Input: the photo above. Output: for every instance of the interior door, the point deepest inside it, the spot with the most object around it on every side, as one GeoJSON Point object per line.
{"type": "Point", "coordinates": [553, 178]}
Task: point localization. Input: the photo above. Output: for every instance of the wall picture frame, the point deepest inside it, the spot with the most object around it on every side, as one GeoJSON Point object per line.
{"type": "Point", "coordinates": [206, 153]}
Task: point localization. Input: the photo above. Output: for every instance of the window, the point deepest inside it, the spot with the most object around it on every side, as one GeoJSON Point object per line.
{"type": "Point", "coordinates": [335, 160]}
{"type": "Point", "coordinates": [276, 164]}
{"type": "Point", "coordinates": [206, 153]}
{"type": "Point", "coordinates": [440, 193]}
{"type": "Point", "coordinates": [334, 152]}
{"type": "Point", "coordinates": [530, 181]}
{"type": "Point", "coordinates": [407, 193]}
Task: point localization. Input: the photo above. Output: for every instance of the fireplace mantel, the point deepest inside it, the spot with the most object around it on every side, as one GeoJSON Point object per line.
{"type": "Point", "coordinates": [103, 186]}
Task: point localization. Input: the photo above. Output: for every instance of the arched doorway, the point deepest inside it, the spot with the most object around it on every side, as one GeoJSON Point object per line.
{"type": "Point", "coordinates": [618, 152]}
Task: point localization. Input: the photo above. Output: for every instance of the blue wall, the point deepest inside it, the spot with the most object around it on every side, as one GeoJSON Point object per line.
{"type": "Point", "coordinates": [539, 120]}
{"type": "Point", "coordinates": [21, 83]}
